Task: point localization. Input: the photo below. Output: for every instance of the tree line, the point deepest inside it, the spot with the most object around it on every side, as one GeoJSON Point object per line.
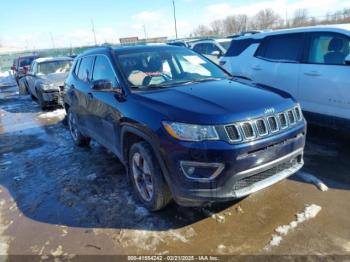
{"type": "Point", "coordinates": [268, 19]}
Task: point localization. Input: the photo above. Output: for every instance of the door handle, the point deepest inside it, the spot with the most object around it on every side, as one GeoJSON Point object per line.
{"type": "Point", "coordinates": [312, 73]}
{"type": "Point", "coordinates": [256, 68]}
{"type": "Point", "coordinates": [90, 95]}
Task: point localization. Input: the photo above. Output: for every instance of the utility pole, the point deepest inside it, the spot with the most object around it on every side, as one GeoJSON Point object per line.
{"type": "Point", "coordinates": [175, 18]}
{"type": "Point", "coordinates": [93, 31]}
{"type": "Point", "coordinates": [145, 31]}
{"type": "Point", "coordinates": [52, 41]}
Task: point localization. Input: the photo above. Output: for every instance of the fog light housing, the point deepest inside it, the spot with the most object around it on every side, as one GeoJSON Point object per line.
{"type": "Point", "coordinates": [201, 171]}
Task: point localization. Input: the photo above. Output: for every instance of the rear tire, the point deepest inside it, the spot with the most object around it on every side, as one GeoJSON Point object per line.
{"type": "Point", "coordinates": [78, 138]}
{"type": "Point", "coordinates": [147, 178]}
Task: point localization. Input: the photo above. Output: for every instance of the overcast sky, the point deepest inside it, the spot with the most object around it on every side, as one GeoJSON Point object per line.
{"type": "Point", "coordinates": [31, 23]}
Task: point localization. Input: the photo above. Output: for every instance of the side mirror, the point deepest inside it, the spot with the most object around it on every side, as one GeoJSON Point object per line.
{"type": "Point", "coordinates": [217, 53]}
{"type": "Point", "coordinates": [13, 68]}
{"type": "Point", "coordinates": [102, 85]}
{"type": "Point", "coordinates": [347, 59]}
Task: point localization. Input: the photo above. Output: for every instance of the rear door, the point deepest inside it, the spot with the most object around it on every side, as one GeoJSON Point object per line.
{"type": "Point", "coordinates": [30, 78]}
{"type": "Point", "coordinates": [81, 89]}
{"type": "Point", "coordinates": [104, 106]}
{"type": "Point", "coordinates": [276, 63]}
{"type": "Point", "coordinates": [324, 77]}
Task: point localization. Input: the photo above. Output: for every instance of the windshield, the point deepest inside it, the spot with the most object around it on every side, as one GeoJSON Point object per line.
{"type": "Point", "coordinates": [53, 67]}
{"type": "Point", "coordinates": [165, 68]}
{"type": "Point", "coordinates": [25, 61]}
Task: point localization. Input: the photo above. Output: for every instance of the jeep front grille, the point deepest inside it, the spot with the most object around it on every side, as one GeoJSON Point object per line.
{"type": "Point", "coordinates": [264, 126]}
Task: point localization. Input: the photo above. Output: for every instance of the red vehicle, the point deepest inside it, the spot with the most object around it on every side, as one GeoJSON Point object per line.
{"type": "Point", "coordinates": [21, 65]}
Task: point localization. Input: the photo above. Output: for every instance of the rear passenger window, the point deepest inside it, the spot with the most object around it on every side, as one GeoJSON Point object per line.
{"type": "Point", "coordinates": [85, 68]}
{"type": "Point", "coordinates": [281, 48]}
{"type": "Point", "coordinates": [328, 48]}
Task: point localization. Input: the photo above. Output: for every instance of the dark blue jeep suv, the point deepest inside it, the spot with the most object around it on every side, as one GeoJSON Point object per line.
{"type": "Point", "coordinates": [183, 127]}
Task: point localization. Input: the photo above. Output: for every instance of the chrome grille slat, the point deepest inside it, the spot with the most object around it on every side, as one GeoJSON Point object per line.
{"type": "Point", "coordinates": [273, 124]}
{"type": "Point", "coordinates": [263, 126]}
{"type": "Point", "coordinates": [248, 130]}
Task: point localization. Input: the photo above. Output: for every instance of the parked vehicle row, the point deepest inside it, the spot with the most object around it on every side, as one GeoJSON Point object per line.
{"type": "Point", "coordinates": [312, 64]}
{"type": "Point", "coordinates": [45, 80]}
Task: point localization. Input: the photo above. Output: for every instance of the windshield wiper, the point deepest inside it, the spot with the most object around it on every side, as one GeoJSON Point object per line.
{"type": "Point", "coordinates": [201, 80]}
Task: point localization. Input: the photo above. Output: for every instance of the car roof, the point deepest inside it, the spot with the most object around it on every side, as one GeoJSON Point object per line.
{"type": "Point", "coordinates": [27, 56]}
{"type": "Point", "coordinates": [52, 59]}
{"type": "Point", "coordinates": [337, 28]}
{"type": "Point", "coordinates": [128, 49]}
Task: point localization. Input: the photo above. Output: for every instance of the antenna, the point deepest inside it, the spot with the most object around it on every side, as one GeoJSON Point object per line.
{"type": "Point", "coordinates": [93, 30]}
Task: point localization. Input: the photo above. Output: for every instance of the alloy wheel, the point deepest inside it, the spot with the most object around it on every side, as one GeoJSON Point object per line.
{"type": "Point", "coordinates": [142, 177]}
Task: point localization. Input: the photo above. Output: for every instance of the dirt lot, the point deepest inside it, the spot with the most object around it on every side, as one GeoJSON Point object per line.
{"type": "Point", "coordinates": [57, 199]}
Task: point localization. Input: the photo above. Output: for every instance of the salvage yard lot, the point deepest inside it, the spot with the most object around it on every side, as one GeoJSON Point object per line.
{"type": "Point", "coordinates": [57, 199]}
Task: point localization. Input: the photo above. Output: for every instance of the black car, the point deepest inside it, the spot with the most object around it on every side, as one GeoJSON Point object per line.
{"type": "Point", "coordinates": [180, 124]}
{"type": "Point", "coordinates": [45, 80]}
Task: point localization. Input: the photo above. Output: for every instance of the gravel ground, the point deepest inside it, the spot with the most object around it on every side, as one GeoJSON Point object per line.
{"type": "Point", "coordinates": [59, 200]}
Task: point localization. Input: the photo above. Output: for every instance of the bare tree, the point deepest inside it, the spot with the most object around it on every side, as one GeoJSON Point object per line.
{"type": "Point", "coordinates": [265, 19]}
{"type": "Point", "coordinates": [201, 30]}
{"type": "Point", "coordinates": [217, 27]}
{"type": "Point", "coordinates": [300, 18]}
{"type": "Point", "coordinates": [268, 19]}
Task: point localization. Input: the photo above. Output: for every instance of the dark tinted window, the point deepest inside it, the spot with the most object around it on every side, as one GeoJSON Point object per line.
{"type": "Point", "coordinates": [206, 48]}
{"type": "Point", "coordinates": [200, 48]}
{"type": "Point", "coordinates": [328, 48]}
{"type": "Point", "coordinates": [281, 48]}
{"type": "Point", "coordinates": [212, 48]}
{"type": "Point", "coordinates": [85, 68]}
{"type": "Point", "coordinates": [103, 70]}
{"type": "Point", "coordinates": [26, 61]}
{"type": "Point", "coordinates": [237, 47]}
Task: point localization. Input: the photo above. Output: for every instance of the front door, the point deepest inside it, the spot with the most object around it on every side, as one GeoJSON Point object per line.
{"type": "Point", "coordinates": [104, 106]}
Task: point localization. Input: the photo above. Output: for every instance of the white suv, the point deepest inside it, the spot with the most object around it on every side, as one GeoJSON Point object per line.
{"type": "Point", "coordinates": [311, 63]}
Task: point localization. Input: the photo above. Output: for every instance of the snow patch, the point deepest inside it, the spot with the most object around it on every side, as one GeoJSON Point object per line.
{"type": "Point", "coordinates": [149, 240]}
{"type": "Point", "coordinates": [4, 240]}
{"type": "Point", "coordinates": [312, 179]}
{"type": "Point", "coordinates": [58, 113]}
{"type": "Point", "coordinates": [7, 79]}
{"type": "Point", "coordinates": [309, 212]}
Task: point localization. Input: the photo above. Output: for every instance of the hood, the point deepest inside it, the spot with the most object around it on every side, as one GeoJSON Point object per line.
{"type": "Point", "coordinates": [215, 102]}
{"type": "Point", "coordinates": [56, 78]}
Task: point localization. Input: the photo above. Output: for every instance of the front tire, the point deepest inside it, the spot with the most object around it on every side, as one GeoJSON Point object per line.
{"type": "Point", "coordinates": [78, 138]}
{"type": "Point", "coordinates": [147, 178]}
{"type": "Point", "coordinates": [41, 101]}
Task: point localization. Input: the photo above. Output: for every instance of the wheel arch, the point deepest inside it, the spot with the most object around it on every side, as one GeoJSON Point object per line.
{"type": "Point", "coordinates": [132, 133]}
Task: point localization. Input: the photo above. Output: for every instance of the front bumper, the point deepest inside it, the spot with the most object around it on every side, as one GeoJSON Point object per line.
{"type": "Point", "coordinates": [53, 97]}
{"type": "Point", "coordinates": [249, 167]}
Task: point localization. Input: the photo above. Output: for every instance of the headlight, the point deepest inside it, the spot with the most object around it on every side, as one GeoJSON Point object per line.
{"type": "Point", "coordinates": [48, 86]}
{"type": "Point", "coordinates": [188, 132]}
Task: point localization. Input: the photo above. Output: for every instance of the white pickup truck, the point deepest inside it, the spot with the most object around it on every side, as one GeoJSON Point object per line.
{"type": "Point", "coordinates": [311, 63]}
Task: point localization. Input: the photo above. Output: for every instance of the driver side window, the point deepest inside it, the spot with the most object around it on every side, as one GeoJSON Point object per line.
{"type": "Point", "coordinates": [103, 70]}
